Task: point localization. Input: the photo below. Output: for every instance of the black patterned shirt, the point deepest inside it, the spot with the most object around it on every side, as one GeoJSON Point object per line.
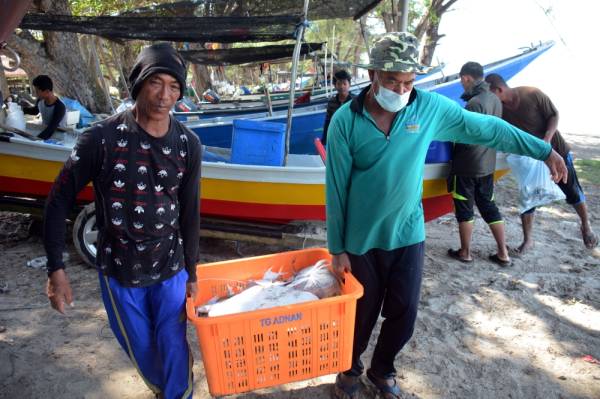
{"type": "Point", "coordinates": [147, 200]}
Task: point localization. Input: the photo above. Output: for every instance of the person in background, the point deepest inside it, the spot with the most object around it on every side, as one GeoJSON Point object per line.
{"type": "Point", "coordinates": [376, 152]}
{"type": "Point", "coordinates": [145, 168]}
{"type": "Point", "coordinates": [471, 179]}
{"type": "Point", "coordinates": [48, 105]}
{"type": "Point", "coordinates": [341, 81]}
{"type": "Point", "coordinates": [529, 109]}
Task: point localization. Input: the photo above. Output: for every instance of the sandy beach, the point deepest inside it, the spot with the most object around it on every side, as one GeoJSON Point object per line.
{"type": "Point", "coordinates": [482, 331]}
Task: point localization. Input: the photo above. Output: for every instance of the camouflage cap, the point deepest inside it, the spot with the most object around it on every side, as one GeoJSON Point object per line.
{"type": "Point", "coordinates": [395, 52]}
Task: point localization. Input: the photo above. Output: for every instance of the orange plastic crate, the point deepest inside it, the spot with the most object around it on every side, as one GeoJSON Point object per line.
{"type": "Point", "coordinates": [263, 348]}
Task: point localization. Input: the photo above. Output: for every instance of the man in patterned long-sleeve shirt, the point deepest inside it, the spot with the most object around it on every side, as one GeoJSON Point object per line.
{"type": "Point", "coordinates": [341, 81]}
{"type": "Point", "coordinates": [145, 168]}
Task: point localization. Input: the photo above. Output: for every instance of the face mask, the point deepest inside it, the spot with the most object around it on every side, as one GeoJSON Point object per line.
{"type": "Point", "coordinates": [390, 100]}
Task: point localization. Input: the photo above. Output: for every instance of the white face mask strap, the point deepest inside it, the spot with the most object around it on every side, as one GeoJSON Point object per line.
{"type": "Point", "coordinates": [376, 79]}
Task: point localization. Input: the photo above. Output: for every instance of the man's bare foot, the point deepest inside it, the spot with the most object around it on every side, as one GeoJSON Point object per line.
{"type": "Point", "coordinates": [525, 247]}
{"type": "Point", "coordinates": [590, 239]}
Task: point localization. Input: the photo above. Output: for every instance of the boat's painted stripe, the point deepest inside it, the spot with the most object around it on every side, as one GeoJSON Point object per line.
{"type": "Point", "coordinates": [224, 190]}
{"type": "Point", "coordinates": [33, 172]}
{"type": "Point", "coordinates": [274, 212]}
{"type": "Point", "coordinates": [288, 194]}
{"type": "Point", "coordinates": [263, 193]}
{"type": "Point", "coordinates": [434, 206]}
{"type": "Point", "coordinates": [29, 168]}
{"type": "Point", "coordinates": [214, 189]}
{"type": "Point", "coordinates": [39, 189]}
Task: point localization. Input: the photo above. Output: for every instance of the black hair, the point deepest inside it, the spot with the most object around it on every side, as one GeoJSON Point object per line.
{"type": "Point", "coordinates": [495, 81]}
{"type": "Point", "coordinates": [341, 75]}
{"type": "Point", "coordinates": [43, 82]}
{"type": "Point", "coordinates": [472, 69]}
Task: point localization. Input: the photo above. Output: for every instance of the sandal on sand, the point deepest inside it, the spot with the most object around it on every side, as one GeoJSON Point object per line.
{"type": "Point", "coordinates": [455, 254]}
{"type": "Point", "coordinates": [345, 390]}
{"type": "Point", "coordinates": [385, 390]}
{"type": "Point", "coordinates": [496, 259]}
{"type": "Point", "coordinates": [590, 239]}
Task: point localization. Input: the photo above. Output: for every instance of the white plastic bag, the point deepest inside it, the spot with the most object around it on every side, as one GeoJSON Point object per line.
{"type": "Point", "coordinates": [318, 280]}
{"type": "Point", "coordinates": [260, 296]}
{"type": "Point", "coordinates": [536, 188]}
{"type": "Point", "coordinates": [15, 117]}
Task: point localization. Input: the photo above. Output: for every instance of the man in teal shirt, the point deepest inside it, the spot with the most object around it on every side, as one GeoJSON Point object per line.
{"type": "Point", "coordinates": [376, 151]}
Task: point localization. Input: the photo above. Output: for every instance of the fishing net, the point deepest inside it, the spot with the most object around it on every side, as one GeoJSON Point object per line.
{"type": "Point", "coordinates": [220, 21]}
{"type": "Point", "coordinates": [245, 55]}
{"type": "Point", "coordinates": [176, 29]}
{"type": "Point", "coordinates": [317, 9]}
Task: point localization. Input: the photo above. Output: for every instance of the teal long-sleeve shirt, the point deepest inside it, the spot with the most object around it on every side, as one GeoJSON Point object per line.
{"type": "Point", "coordinates": [374, 182]}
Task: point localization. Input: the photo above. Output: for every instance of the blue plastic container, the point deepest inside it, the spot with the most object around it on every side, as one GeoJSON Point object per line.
{"type": "Point", "coordinates": [258, 143]}
{"type": "Point", "coordinates": [439, 152]}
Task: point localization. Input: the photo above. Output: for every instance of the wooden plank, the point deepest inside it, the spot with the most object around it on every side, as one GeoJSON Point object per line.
{"type": "Point", "coordinates": [19, 132]}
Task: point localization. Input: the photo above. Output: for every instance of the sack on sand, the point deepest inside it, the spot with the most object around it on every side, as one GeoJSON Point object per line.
{"type": "Point", "coordinates": [536, 188]}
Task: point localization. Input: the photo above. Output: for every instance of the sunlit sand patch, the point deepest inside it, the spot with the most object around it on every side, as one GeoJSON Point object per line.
{"type": "Point", "coordinates": [574, 311]}
{"type": "Point", "coordinates": [525, 335]}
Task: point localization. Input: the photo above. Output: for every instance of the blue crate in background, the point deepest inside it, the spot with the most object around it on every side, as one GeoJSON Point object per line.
{"type": "Point", "coordinates": [439, 152]}
{"type": "Point", "coordinates": [258, 143]}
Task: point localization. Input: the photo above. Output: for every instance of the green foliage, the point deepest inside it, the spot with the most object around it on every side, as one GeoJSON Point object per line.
{"type": "Point", "coordinates": [347, 36]}
{"type": "Point", "coordinates": [348, 40]}
{"type": "Point", "coordinates": [416, 10]}
{"type": "Point", "coordinates": [107, 7]}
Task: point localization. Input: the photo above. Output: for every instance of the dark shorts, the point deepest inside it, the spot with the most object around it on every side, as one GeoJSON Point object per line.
{"type": "Point", "coordinates": [467, 191]}
{"type": "Point", "coordinates": [571, 188]}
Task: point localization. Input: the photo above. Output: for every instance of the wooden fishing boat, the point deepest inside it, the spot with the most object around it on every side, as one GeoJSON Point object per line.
{"type": "Point", "coordinates": [308, 119]}
{"type": "Point", "coordinates": [252, 192]}
{"type": "Point", "coordinates": [274, 194]}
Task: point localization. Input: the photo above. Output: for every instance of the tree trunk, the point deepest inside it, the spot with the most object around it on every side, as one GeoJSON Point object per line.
{"type": "Point", "coordinates": [86, 45]}
{"type": "Point", "coordinates": [430, 44]}
{"type": "Point", "coordinates": [356, 59]}
{"type": "Point", "coordinates": [391, 19]}
{"type": "Point", "coordinates": [427, 28]}
{"type": "Point", "coordinates": [395, 16]}
{"type": "Point", "coordinates": [122, 83]}
{"type": "Point", "coordinates": [128, 51]}
{"type": "Point", "coordinates": [59, 57]}
{"type": "Point", "coordinates": [201, 73]}
{"type": "Point", "coordinates": [247, 75]}
{"type": "Point", "coordinates": [387, 21]}
{"type": "Point", "coordinates": [100, 45]}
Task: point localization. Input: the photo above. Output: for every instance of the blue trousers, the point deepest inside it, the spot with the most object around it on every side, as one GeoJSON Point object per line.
{"type": "Point", "coordinates": [150, 325]}
{"type": "Point", "coordinates": [392, 285]}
